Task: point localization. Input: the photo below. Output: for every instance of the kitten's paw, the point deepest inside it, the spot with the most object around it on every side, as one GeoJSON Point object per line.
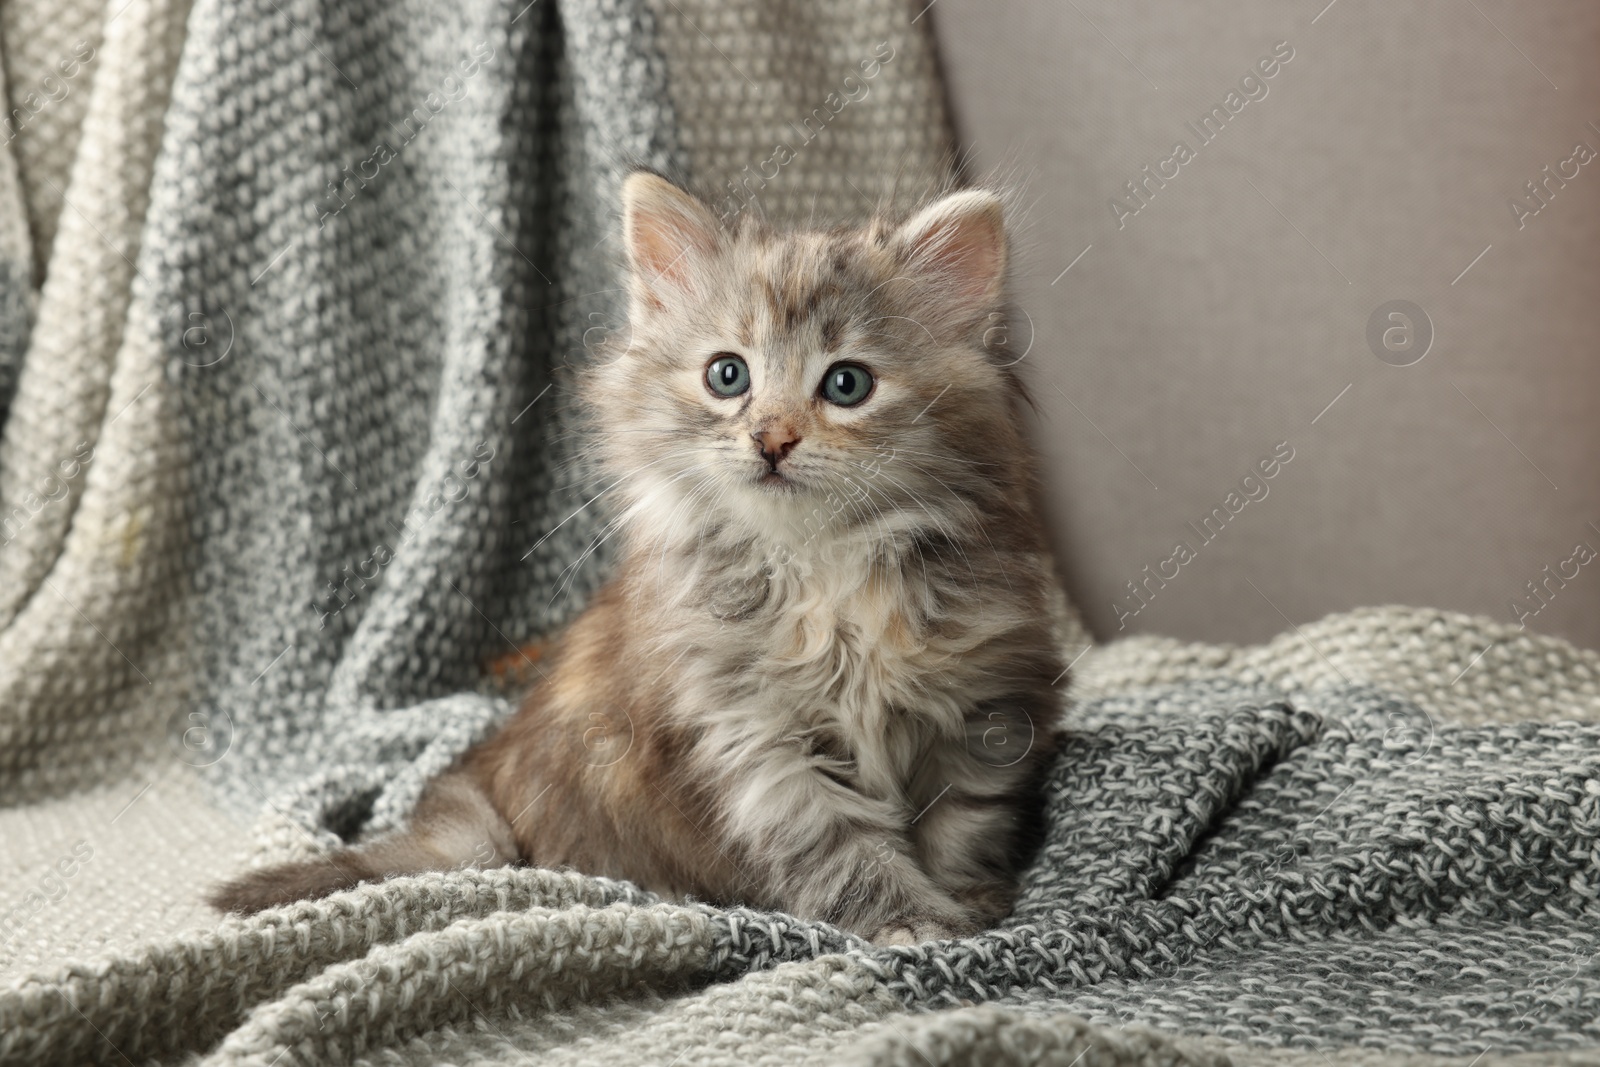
{"type": "Point", "coordinates": [914, 930]}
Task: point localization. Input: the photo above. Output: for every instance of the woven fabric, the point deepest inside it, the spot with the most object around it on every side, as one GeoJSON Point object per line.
{"type": "Point", "coordinates": [1233, 873]}
{"type": "Point", "coordinates": [238, 352]}
{"type": "Point", "coordinates": [413, 241]}
{"type": "Point", "coordinates": [1416, 885]}
{"type": "Point", "coordinates": [315, 408]}
{"type": "Point", "coordinates": [51, 55]}
{"type": "Point", "coordinates": [281, 352]}
{"type": "Point", "coordinates": [92, 481]}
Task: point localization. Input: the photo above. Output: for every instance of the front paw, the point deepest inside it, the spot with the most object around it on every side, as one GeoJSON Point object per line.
{"type": "Point", "coordinates": [914, 930]}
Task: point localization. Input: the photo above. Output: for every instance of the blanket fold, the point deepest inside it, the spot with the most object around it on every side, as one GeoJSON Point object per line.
{"type": "Point", "coordinates": [406, 267]}
{"type": "Point", "coordinates": [185, 995]}
{"type": "Point", "coordinates": [1221, 860]}
{"type": "Point", "coordinates": [300, 350]}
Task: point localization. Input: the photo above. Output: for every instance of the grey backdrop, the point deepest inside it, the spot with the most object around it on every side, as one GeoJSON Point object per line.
{"type": "Point", "coordinates": [1231, 309]}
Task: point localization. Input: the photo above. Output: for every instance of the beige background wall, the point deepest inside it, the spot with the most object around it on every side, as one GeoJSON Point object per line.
{"type": "Point", "coordinates": [1229, 312]}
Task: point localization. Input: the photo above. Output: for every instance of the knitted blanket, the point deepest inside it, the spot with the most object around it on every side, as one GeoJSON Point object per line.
{"type": "Point", "coordinates": [294, 299]}
{"type": "Point", "coordinates": [1246, 866]}
{"type": "Point", "coordinates": [289, 460]}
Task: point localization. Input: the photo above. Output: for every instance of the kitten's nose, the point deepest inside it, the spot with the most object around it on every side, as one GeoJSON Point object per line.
{"type": "Point", "coordinates": [775, 443]}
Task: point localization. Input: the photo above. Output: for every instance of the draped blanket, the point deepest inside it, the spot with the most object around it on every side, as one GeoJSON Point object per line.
{"type": "Point", "coordinates": [1235, 871]}
{"type": "Point", "coordinates": [295, 298]}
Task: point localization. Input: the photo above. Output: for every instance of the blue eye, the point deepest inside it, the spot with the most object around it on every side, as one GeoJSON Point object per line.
{"type": "Point", "coordinates": [847, 384]}
{"type": "Point", "coordinates": [727, 375]}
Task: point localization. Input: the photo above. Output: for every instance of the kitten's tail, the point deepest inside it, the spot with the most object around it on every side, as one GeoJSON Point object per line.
{"type": "Point", "coordinates": [455, 826]}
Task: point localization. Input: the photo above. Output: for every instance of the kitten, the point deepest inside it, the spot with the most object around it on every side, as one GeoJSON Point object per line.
{"type": "Point", "coordinates": [825, 664]}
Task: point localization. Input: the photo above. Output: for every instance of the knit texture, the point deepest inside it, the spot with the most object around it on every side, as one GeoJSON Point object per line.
{"type": "Point", "coordinates": [393, 334]}
{"type": "Point", "coordinates": [50, 67]}
{"type": "Point", "coordinates": [266, 350]}
{"type": "Point", "coordinates": [1334, 869]}
{"type": "Point", "coordinates": [92, 476]}
{"type": "Point", "coordinates": [1231, 869]}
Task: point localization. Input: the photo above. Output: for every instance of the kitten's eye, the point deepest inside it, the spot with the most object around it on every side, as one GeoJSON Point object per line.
{"type": "Point", "coordinates": [727, 375]}
{"type": "Point", "coordinates": [847, 384]}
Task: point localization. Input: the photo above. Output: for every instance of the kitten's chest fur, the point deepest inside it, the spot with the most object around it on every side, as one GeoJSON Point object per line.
{"type": "Point", "coordinates": [862, 660]}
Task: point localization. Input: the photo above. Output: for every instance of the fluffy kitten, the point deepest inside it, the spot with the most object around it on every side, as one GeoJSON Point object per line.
{"type": "Point", "coordinates": [824, 670]}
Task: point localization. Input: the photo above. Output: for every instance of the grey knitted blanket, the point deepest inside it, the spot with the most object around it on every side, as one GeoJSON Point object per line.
{"type": "Point", "coordinates": [1331, 869]}
{"type": "Point", "coordinates": [381, 468]}
{"type": "Point", "coordinates": [1328, 870]}
{"type": "Point", "coordinates": [296, 296]}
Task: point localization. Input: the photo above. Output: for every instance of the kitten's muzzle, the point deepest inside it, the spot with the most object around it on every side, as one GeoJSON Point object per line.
{"type": "Point", "coordinates": [775, 444]}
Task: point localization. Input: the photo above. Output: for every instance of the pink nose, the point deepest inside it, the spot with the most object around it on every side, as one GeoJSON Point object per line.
{"type": "Point", "coordinates": [775, 443]}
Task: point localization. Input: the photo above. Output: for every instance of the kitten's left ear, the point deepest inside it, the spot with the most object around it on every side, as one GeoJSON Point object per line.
{"type": "Point", "coordinates": [960, 240]}
{"type": "Point", "coordinates": [667, 232]}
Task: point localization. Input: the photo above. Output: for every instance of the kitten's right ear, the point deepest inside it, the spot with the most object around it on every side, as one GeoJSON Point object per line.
{"type": "Point", "coordinates": [667, 232]}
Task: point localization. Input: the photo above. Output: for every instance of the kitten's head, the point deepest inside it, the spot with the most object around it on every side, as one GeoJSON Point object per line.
{"type": "Point", "coordinates": [793, 388]}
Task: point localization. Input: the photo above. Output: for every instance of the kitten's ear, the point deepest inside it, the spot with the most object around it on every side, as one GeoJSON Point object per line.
{"type": "Point", "coordinates": [960, 240]}
{"type": "Point", "coordinates": [667, 231]}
